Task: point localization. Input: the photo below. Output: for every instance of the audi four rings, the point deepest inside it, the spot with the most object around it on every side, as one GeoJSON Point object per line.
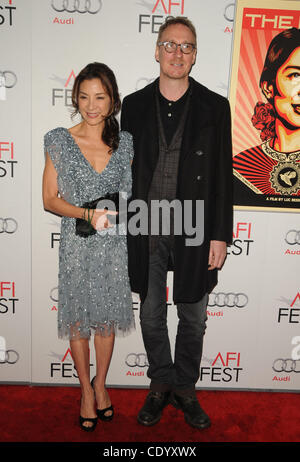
{"type": "Point", "coordinates": [231, 300]}
{"type": "Point", "coordinates": [77, 6]}
{"type": "Point", "coordinates": [8, 225]}
{"type": "Point", "coordinates": [286, 365]}
{"type": "Point", "coordinates": [136, 359]}
{"type": "Point", "coordinates": [10, 357]}
{"type": "Point", "coordinates": [54, 294]}
{"type": "Point", "coordinates": [292, 237]}
{"type": "Point", "coordinates": [8, 79]}
{"type": "Point", "coordinates": [226, 15]}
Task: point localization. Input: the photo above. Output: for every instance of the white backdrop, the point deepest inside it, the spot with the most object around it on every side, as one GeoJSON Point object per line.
{"type": "Point", "coordinates": [254, 312]}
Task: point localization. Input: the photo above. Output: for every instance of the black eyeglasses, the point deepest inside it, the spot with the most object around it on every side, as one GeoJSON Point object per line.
{"type": "Point", "coordinates": [171, 47]}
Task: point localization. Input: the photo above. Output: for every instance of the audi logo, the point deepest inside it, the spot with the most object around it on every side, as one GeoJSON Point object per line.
{"type": "Point", "coordinates": [231, 300]}
{"type": "Point", "coordinates": [8, 225]}
{"type": "Point", "coordinates": [229, 15]}
{"type": "Point", "coordinates": [142, 82]}
{"type": "Point", "coordinates": [54, 294]}
{"type": "Point", "coordinates": [8, 79]}
{"type": "Point", "coordinates": [9, 356]}
{"type": "Point", "coordinates": [286, 365]}
{"type": "Point", "coordinates": [292, 237]}
{"type": "Point", "coordinates": [77, 6]}
{"type": "Point", "coordinates": [136, 360]}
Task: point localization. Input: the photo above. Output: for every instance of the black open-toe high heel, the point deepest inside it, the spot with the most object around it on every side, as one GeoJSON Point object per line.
{"type": "Point", "coordinates": [90, 428]}
{"type": "Point", "coordinates": [101, 412]}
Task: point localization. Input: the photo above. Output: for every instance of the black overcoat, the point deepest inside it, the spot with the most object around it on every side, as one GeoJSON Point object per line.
{"type": "Point", "coordinates": [204, 173]}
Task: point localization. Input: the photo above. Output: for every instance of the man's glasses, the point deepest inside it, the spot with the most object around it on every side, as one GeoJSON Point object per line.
{"type": "Point", "coordinates": [171, 47]}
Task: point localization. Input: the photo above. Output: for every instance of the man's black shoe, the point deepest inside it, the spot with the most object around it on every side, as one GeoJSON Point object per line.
{"type": "Point", "coordinates": [151, 412]}
{"type": "Point", "coordinates": [193, 413]}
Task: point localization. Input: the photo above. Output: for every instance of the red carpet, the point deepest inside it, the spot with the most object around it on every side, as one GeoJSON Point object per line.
{"type": "Point", "coordinates": [50, 414]}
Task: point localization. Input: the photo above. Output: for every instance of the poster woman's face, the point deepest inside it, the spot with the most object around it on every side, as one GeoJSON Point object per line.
{"type": "Point", "coordinates": [287, 99]}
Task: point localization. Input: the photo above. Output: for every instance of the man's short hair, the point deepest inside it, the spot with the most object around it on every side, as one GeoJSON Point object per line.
{"type": "Point", "coordinates": [177, 20]}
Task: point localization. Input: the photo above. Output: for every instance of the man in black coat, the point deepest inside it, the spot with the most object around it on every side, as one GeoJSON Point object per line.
{"type": "Point", "coordinates": [183, 155]}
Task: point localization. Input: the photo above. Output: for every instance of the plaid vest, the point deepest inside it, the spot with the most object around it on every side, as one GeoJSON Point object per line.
{"type": "Point", "coordinates": [164, 181]}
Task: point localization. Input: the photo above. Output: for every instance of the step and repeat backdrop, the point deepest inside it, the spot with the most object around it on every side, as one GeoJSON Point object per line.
{"type": "Point", "coordinates": [253, 335]}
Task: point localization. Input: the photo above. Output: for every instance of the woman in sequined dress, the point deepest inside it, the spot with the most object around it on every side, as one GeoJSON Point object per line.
{"type": "Point", "coordinates": [88, 161]}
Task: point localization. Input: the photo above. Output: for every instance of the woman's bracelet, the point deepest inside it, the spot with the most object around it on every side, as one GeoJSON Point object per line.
{"type": "Point", "coordinates": [88, 218]}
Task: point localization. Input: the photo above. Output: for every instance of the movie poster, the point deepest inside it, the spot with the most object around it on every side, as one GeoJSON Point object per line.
{"type": "Point", "coordinates": [265, 103]}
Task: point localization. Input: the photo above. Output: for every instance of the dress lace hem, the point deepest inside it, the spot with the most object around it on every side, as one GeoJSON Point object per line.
{"type": "Point", "coordinates": [76, 331]}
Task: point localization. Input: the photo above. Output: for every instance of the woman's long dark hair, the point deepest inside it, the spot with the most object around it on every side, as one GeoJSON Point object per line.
{"type": "Point", "coordinates": [101, 71]}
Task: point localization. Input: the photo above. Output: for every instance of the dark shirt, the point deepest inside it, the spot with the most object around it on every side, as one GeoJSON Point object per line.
{"type": "Point", "coordinates": [171, 112]}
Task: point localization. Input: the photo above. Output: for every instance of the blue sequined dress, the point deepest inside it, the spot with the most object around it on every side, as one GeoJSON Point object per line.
{"type": "Point", "coordinates": [93, 285]}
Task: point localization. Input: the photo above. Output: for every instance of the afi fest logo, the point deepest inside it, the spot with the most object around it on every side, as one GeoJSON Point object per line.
{"type": "Point", "coordinates": [79, 7]}
{"type": "Point", "coordinates": [224, 368]}
{"type": "Point", "coordinates": [63, 93]}
{"type": "Point", "coordinates": [7, 159]}
{"type": "Point", "coordinates": [242, 241]}
{"type": "Point", "coordinates": [7, 12]}
{"type": "Point", "coordinates": [158, 10]}
{"type": "Point", "coordinates": [8, 300]}
{"type": "Point", "coordinates": [290, 314]}
{"type": "Point", "coordinates": [64, 367]}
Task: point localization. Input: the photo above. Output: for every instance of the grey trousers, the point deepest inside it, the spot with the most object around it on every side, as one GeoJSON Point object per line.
{"type": "Point", "coordinates": [182, 373]}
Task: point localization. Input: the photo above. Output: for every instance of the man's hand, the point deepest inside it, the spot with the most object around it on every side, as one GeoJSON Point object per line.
{"type": "Point", "coordinates": [217, 254]}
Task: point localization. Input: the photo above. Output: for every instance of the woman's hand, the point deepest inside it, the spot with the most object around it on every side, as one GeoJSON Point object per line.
{"type": "Point", "coordinates": [100, 218]}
